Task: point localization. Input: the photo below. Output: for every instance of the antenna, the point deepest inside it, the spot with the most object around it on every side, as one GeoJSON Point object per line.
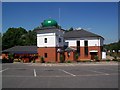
{"type": "Point", "coordinates": [59, 15]}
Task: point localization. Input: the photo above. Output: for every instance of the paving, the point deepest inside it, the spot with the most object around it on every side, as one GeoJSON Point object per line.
{"type": "Point", "coordinates": [69, 75]}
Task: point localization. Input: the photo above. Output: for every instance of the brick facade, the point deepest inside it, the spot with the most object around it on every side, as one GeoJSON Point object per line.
{"type": "Point", "coordinates": [90, 48]}
{"type": "Point", "coordinates": [51, 53]}
{"type": "Point", "coordinates": [54, 56]}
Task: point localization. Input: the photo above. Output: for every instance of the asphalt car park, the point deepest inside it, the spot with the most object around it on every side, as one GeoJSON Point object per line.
{"type": "Point", "coordinates": [32, 75]}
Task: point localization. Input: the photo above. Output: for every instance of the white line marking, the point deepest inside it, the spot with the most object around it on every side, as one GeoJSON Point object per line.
{"type": "Point", "coordinates": [67, 72]}
{"type": "Point", "coordinates": [100, 72]}
{"type": "Point", "coordinates": [112, 69]}
{"type": "Point", "coordinates": [89, 75]}
{"type": "Point", "coordinates": [4, 70]}
{"type": "Point", "coordinates": [35, 73]}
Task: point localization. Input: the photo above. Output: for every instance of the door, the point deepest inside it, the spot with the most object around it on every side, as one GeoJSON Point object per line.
{"type": "Point", "coordinates": [93, 54]}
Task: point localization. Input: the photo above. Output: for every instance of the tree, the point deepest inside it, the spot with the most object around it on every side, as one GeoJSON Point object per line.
{"type": "Point", "coordinates": [12, 37]}
{"type": "Point", "coordinates": [18, 37]}
{"type": "Point", "coordinates": [70, 29]}
{"type": "Point", "coordinates": [113, 46]}
{"type": "Point", "coordinates": [29, 38]}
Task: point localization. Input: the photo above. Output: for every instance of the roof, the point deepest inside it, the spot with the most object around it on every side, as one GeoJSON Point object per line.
{"type": "Point", "coordinates": [80, 34]}
{"type": "Point", "coordinates": [22, 50]}
{"type": "Point", "coordinates": [48, 30]}
{"type": "Point", "coordinates": [69, 49]}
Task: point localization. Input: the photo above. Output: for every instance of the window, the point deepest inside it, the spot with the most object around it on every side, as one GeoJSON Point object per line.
{"type": "Point", "coordinates": [86, 43]}
{"type": "Point", "coordinates": [45, 40]}
{"type": "Point", "coordinates": [45, 55]}
{"type": "Point", "coordinates": [59, 39]}
{"type": "Point", "coordinates": [78, 43]}
{"type": "Point", "coordinates": [78, 47]}
{"type": "Point", "coordinates": [86, 48]}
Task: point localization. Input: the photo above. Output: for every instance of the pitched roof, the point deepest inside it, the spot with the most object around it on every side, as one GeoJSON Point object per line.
{"type": "Point", "coordinates": [80, 34]}
{"type": "Point", "coordinates": [68, 49]}
{"type": "Point", "coordinates": [22, 50]}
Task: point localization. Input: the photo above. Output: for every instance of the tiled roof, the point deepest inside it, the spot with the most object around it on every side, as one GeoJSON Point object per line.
{"type": "Point", "coordinates": [22, 49]}
{"type": "Point", "coordinates": [80, 34]}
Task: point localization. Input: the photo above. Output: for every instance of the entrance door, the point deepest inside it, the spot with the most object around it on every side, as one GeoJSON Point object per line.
{"type": "Point", "coordinates": [93, 54]}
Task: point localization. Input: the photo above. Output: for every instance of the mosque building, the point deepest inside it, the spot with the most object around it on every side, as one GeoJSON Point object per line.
{"type": "Point", "coordinates": [53, 42]}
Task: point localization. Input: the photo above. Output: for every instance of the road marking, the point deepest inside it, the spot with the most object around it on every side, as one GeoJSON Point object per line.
{"type": "Point", "coordinates": [4, 70]}
{"type": "Point", "coordinates": [89, 75]}
{"type": "Point", "coordinates": [67, 72]}
{"type": "Point", "coordinates": [35, 73]}
{"type": "Point", "coordinates": [99, 72]}
{"type": "Point", "coordinates": [113, 69]}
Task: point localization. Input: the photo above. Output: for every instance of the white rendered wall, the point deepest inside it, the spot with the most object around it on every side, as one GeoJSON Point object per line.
{"type": "Point", "coordinates": [91, 42]}
{"type": "Point", "coordinates": [71, 42]}
{"type": "Point", "coordinates": [94, 42]}
{"type": "Point", "coordinates": [52, 40]}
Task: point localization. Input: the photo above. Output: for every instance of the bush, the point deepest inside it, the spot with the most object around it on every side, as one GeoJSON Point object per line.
{"type": "Point", "coordinates": [69, 61]}
{"type": "Point", "coordinates": [42, 60]}
{"type": "Point", "coordinates": [84, 61]}
{"type": "Point", "coordinates": [33, 61]}
{"type": "Point", "coordinates": [76, 56]}
{"type": "Point", "coordinates": [116, 60]}
{"type": "Point", "coordinates": [62, 59]}
{"type": "Point", "coordinates": [96, 58]}
{"type": "Point", "coordinates": [108, 60]}
{"type": "Point", "coordinates": [115, 57]}
{"type": "Point", "coordinates": [10, 56]}
{"type": "Point", "coordinates": [4, 60]}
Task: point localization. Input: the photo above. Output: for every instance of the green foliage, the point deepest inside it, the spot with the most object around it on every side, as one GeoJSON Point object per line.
{"type": "Point", "coordinates": [96, 58]}
{"type": "Point", "coordinates": [62, 59]}
{"type": "Point", "coordinates": [18, 37]}
{"type": "Point", "coordinates": [33, 61]}
{"type": "Point", "coordinates": [70, 29]}
{"type": "Point", "coordinates": [9, 60]}
{"type": "Point", "coordinates": [108, 60]}
{"type": "Point", "coordinates": [76, 56]}
{"type": "Point", "coordinates": [113, 46]}
{"type": "Point", "coordinates": [10, 56]}
{"type": "Point", "coordinates": [4, 60]}
{"type": "Point", "coordinates": [42, 60]}
{"type": "Point", "coordinates": [69, 61]}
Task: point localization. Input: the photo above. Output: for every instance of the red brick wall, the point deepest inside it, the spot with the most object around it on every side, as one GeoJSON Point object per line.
{"type": "Point", "coordinates": [51, 53]}
{"type": "Point", "coordinates": [88, 57]}
{"type": "Point", "coordinates": [69, 58]}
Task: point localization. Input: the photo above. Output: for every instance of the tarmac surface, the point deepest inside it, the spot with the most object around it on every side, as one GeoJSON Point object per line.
{"type": "Point", "coordinates": [69, 75]}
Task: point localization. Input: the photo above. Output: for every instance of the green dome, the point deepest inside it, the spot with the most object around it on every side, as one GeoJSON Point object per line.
{"type": "Point", "coordinates": [49, 22]}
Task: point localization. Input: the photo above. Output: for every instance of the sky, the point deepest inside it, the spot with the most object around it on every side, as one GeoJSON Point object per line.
{"type": "Point", "coordinates": [97, 17]}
